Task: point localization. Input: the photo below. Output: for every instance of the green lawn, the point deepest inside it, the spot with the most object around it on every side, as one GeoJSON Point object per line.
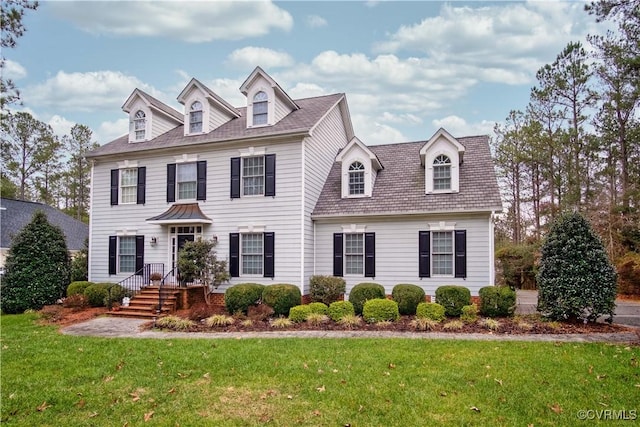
{"type": "Point", "coordinates": [49, 379]}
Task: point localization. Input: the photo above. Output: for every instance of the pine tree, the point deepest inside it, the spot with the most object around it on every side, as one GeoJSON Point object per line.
{"type": "Point", "coordinates": [37, 267]}
{"type": "Point", "coordinates": [576, 279]}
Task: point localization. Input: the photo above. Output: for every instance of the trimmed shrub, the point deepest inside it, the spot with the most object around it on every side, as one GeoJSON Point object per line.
{"type": "Point", "coordinates": [299, 313]}
{"type": "Point", "coordinates": [319, 307]}
{"type": "Point", "coordinates": [77, 288]}
{"type": "Point", "coordinates": [453, 298]}
{"type": "Point", "coordinates": [430, 310]}
{"type": "Point", "coordinates": [281, 298]}
{"type": "Point", "coordinates": [408, 297]}
{"type": "Point", "coordinates": [363, 292]}
{"type": "Point", "coordinates": [576, 279]}
{"type": "Point", "coordinates": [339, 309]}
{"type": "Point", "coordinates": [469, 313]}
{"type": "Point", "coordinates": [115, 293]}
{"type": "Point", "coordinates": [326, 289]}
{"type": "Point", "coordinates": [102, 294]}
{"type": "Point", "coordinates": [241, 297]}
{"type": "Point", "coordinates": [497, 301]}
{"type": "Point", "coordinates": [380, 310]}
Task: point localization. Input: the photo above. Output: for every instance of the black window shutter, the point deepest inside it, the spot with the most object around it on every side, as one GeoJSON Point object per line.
{"type": "Point", "coordinates": [269, 247]}
{"type": "Point", "coordinates": [461, 253]}
{"type": "Point", "coordinates": [369, 254]}
{"type": "Point", "coordinates": [270, 175]}
{"type": "Point", "coordinates": [235, 177]}
{"type": "Point", "coordinates": [234, 254]}
{"type": "Point", "coordinates": [139, 255]}
{"type": "Point", "coordinates": [142, 182]}
{"type": "Point", "coordinates": [338, 246]}
{"type": "Point", "coordinates": [171, 182]}
{"type": "Point", "coordinates": [424, 254]}
{"type": "Point", "coordinates": [113, 247]}
{"type": "Point", "coordinates": [115, 175]}
{"type": "Point", "coordinates": [201, 191]}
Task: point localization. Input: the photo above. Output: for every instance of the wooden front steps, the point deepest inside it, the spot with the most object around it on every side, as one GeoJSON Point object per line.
{"type": "Point", "coordinates": [144, 304]}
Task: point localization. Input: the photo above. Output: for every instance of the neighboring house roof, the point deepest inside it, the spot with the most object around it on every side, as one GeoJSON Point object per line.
{"type": "Point", "coordinates": [298, 121]}
{"type": "Point", "coordinates": [15, 214]}
{"type": "Point", "coordinates": [400, 187]}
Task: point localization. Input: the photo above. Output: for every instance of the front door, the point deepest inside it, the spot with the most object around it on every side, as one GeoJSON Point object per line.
{"type": "Point", "coordinates": [178, 237]}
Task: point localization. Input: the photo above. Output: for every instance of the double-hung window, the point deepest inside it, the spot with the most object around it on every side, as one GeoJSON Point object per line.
{"type": "Point", "coordinates": [354, 253]}
{"type": "Point", "coordinates": [442, 173]}
{"type": "Point", "coordinates": [260, 108]}
{"type": "Point", "coordinates": [139, 125]}
{"type": "Point", "coordinates": [186, 181]}
{"type": "Point", "coordinates": [442, 253]}
{"type": "Point", "coordinates": [356, 179]}
{"type": "Point", "coordinates": [253, 176]}
{"type": "Point", "coordinates": [127, 254]}
{"type": "Point", "coordinates": [128, 185]}
{"type": "Point", "coordinates": [195, 117]}
{"type": "Point", "coordinates": [252, 253]}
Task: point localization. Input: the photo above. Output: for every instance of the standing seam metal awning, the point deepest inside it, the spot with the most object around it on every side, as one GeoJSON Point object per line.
{"type": "Point", "coordinates": [181, 213]}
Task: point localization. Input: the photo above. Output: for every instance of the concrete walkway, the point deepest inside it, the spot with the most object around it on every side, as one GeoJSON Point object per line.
{"type": "Point", "coordinates": [627, 313]}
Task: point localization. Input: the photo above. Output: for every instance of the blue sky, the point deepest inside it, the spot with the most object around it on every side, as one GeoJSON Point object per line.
{"type": "Point", "coordinates": [407, 68]}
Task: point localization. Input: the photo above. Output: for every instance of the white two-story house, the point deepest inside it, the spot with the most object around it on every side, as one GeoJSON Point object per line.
{"type": "Point", "coordinates": [288, 191]}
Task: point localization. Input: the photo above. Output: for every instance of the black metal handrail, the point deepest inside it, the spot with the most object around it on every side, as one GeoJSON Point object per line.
{"type": "Point", "coordinates": [161, 288]}
{"type": "Point", "coordinates": [141, 278]}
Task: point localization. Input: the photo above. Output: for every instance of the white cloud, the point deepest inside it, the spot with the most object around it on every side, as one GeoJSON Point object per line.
{"type": "Point", "coordinates": [306, 90]}
{"type": "Point", "coordinates": [315, 21]}
{"type": "Point", "coordinates": [250, 56]}
{"type": "Point", "coordinates": [60, 125]}
{"type": "Point", "coordinates": [108, 131]}
{"type": "Point", "coordinates": [13, 70]}
{"type": "Point", "coordinates": [91, 91]}
{"type": "Point", "coordinates": [457, 126]}
{"type": "Point", "coordinates": [194, 22]}
{"type": "Point", "coordinates": [374, 133]}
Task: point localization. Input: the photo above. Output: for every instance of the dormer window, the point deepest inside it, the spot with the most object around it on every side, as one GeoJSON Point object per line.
{"type": "Point", "coordinates": [140, 124]}
{"type": "Point", "coordinates": [442, 173]}
{"type": "Point", "coordinates": [356, 179]}
{"type": "Point", "coordinates": [195, 117]}
{"type": "Point", "coordinates": [260, 108]}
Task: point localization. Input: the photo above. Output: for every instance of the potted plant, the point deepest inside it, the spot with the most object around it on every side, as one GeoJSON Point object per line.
{"type": "Point", "coordinates": [155, 278]}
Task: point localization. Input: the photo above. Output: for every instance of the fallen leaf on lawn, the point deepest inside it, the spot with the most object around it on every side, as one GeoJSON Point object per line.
{"type": "Point", "coordinates": [305, 366]}
{"type": "Point", "coordinates": [120, 365]}
{"type": "Point", "coordinates": [107, 379]}
{"type": "Point", "coordinates": [498, 381]}
{"type": "Point", "coordinates": [181, 375]}
{"type": "Point", "coordinates": [443, 393]}
{"type": "Point", "coordinates": [386, 374]}
{"type": "Point", "coordinates": [591, 369]}
{"type": "Point", "coordinates": [320, 371]}
{"type": "Point", "coordinates": [360, 408]}
{"type": "Point", "coordinates": [317, 413]}
{"type": "Point", "coordinates": [94, 414]}
{"type": "Point", "coordinates": [391, 366]}
{"type": "Point", "coordinates": [343, 381]}
{"type": "Point", "coordinates": [321, 389]}
{"type": "Point", "coordinates": [43, 407]}
{"type": "Point", "coordinates": [206, 375]}
{"type": "Point", "coordinates": [601, 377]}
{"type": "Point", "coordinates": [80, 350]}
{"type": "Point", "coordinates": [335, 371]}
{"type": "Point", "coordinates": [81, 403]}
{"type": "Point", "coordinates": [289, 397]}
{"type": "Point", "coordinates": [4, 347]}
{"type": "Point", "coordinates": [148, 416]}
{"type": "Point", "coordinates": [135, 396]}
{"type": "Point", "coordinates": [473, 408]}
{"type": "Point", "coordinates": [556, 408]}
{"type": "Point", "coordinates": [173, 390]}
{"type": "Point", "coordinates": [12, 395]}
{"type": "Point", "coordinates": [603, 404]}
{"type": "Point", "coordinates": [637, 385]}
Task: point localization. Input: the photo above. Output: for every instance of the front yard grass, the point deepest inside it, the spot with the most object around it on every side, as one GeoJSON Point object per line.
{"type": "Point", "coordinates": [49, 379]}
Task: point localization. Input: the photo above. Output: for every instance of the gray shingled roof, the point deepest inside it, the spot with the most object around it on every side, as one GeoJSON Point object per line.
{"type": "Point", "coordinates": [400, 188]}
{"type": "Point", "coordinates": [15, 214]}
{"type": "Point", "coordinates": [302, 120]}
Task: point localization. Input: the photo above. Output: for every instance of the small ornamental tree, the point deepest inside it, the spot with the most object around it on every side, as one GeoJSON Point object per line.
{"type": "Point", "coordinates": [197, 260]}
{"type": "Point", "coordinates": [37, 267]}
{"type": "Point", "coordinates": [576, 279]}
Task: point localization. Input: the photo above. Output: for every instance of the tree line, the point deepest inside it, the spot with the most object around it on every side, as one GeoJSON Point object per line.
{"type": "Point", "coordinates": [576, 146]}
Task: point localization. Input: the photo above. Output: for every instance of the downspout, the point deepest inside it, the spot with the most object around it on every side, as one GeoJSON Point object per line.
{"type": "Point", "coordinates": [492, 261]}
{"type": "Point", "coordinates": [90, 245]}
{"type": "Point", "coordinates": [302, 215]}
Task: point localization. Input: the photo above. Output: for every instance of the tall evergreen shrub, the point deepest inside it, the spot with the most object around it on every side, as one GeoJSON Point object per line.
{"type": "Point", "coordinates": [37, 267]}
{"type": "Point", "coordinates": [576, 279]}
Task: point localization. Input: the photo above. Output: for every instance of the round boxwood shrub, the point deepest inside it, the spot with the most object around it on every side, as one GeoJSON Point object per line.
{"type": "Point", "coordinates": [326, 289]}
{"type": "Point", "coordinates": [319, 307]}
{"type": "Point", "coordinates": [281, 298]}
{"type": "Point", "coordinates": [77, 288]}
{"type": "Point", "coordinates": [408, 297]}
{"type": "Point", "coordinates": [380, 310]}
{"type": "Point", "coordinates": [240, 297]}
{"type": "Point", "coordinates": [339, 309]}
{"type": "Point", "coordinates": [497, 301]}
{"type": "Point", "coordinates": [469, 313]}
{"type": "Point", "coordinates": [453, 298]}
{"type": "Point", "coordinates": [363, 292]}
{"type": "Point", "coordinates": [431, 310]}
{"type": "Point", "coordinates": [299, 313]}
{"type": "Point", "coordinates": [97, 293]}
{"type": "Point", "coordinates": [115, 293]}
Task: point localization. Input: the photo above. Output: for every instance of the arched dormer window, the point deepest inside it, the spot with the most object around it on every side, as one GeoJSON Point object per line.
{"type": "Point", "coordinates": [356, 178]}
{"type": "Point", "coordinates": [140, 125]}
{"type": "Point", "coordinates": [442, 173]}
{"type": "Point", "coordinates": [260, 108]}
{"type": "Point", "coordinates": [195, 117]}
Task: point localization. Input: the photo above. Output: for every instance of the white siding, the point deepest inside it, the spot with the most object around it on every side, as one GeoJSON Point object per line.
{"type": "Point", "coordinates": [160, 125]}
{"type": "Point", "coordinates": [320, 152]}
{"type": "Point", "coordinates": [279, 214]}
{"type": "Point", "coordinates": [397, 251]}
{"type": "Point", "coordinates": [281, 110]}
{"type": "Point", "coordinates": [217, 117]}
